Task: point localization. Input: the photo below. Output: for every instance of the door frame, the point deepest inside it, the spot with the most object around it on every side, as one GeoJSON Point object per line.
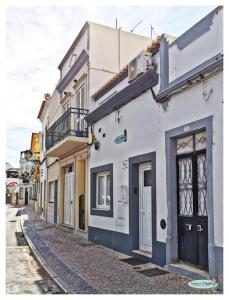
{"type": "Point", "coordinates": [171, 184]}
{"type": "Point", "coordinates": [134, 163]}
{"type": "Point", "coordinates": [142, 168]}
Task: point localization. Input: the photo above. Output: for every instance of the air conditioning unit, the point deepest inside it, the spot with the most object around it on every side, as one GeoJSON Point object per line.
{"type": "Point", "coordinates": [139, 65]}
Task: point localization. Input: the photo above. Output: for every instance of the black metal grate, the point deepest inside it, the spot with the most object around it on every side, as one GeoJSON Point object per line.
{"type": "Point", "coordinates": [185, 187]}
{"type": "Point", "coordinates": [153, 272]}
{"type": "Point", "coordinates": [202, 184]}
{"type": "Point", "coordinates": [133, 261]}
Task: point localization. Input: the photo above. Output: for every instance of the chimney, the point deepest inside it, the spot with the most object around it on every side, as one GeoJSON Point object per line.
{"type": "Point", "coordinates": [47, 96]}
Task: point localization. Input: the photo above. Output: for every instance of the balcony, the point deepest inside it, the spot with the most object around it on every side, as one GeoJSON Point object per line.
{"type": "Point", "coordinates": [68, 133]}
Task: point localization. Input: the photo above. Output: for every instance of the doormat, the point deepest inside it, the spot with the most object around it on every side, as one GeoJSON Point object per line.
{"type": "Point", "coordinates": [133, 261]}
{"type": "Point", "coordinates": [153, 272]}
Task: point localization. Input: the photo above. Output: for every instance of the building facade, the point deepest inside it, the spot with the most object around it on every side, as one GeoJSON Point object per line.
{"type": "Point", "coordinates": [85, 67]}
{"type": "Point", "coordinates": [156, 161]}
{"type": "Point", "coordinates": [30, 174]}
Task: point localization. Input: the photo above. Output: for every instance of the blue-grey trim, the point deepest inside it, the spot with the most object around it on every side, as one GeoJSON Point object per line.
{"type": "Point", "coordinates": [216, 265]}
{"type": "Point", "coordinates": [170, 147]}
{"type": "Point", "coordinates": [111, 239]}
{"type": "Point", "coordinates": [196, 31]}
{"type": "Point", "coordinates": [129, 93]}
{"type": "Point", "coordinates": [164, 63]}
{"type": "Point", "coordinates": [94, 210]}
{"type": "Point", "coordinates": [213, 64]}
{"type": "Point", "coordinates": [78, 64]}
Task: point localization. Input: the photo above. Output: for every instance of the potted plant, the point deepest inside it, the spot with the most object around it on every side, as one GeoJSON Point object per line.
{"type": "Point", "coordinates": [96, 144]}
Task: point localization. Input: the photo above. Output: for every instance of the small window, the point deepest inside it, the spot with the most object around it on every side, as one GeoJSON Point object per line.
{"type": "Point", "coordinates": [51, 192]}
{"type": "Point", "coordinates": [103, 190]}
{"type": "Point", "coordinates": [147, 178]}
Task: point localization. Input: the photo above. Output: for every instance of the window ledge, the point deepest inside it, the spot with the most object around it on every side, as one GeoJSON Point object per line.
{"type": "Point", "coordinates": [103, 209]}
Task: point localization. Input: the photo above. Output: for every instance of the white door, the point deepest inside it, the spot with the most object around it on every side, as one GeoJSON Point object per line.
{"type": "Point", "coordinates": [68, 198]}
{"type": "Point", "coordinates": [145, 207]}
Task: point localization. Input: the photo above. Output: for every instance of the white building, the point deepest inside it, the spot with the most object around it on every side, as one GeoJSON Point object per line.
{"type": "Point", "coordinates": [156, 166]}
{"type": "Point", "coordinates": [97, 54]}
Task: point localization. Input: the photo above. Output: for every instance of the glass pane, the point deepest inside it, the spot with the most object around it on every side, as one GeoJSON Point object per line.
{"type": "Point", "coordinates": [185, 145]}
{"type": "Point", "coordinates": [101, 190]}
{"type": "Point", "coordinates": [200, 140]}
{"type": "Point", "coordinates": [202, 185]}
{"type": "Point", "coordinates": [108, 190]}
{"type": "Point", "coordinates": [78, 99]}
{"type": "Point", "coordinates": [147, 178]}
{"type": "Point", "coordinates": [82, 97]}
{"type": "Point", "coordinates": [185, 187]}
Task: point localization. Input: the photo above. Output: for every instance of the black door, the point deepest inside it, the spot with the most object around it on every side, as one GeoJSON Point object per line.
{"type": "Point", "coordinates": [26, 196]}
{"type": "Point", "coordinates": [81, 212]}
{"type": "Point", "coordinates": [192, 208]}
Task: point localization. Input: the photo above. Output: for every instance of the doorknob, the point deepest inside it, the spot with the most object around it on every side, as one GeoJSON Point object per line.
{"type": "Point", "coordinates": [142, 211]}
{"type": "Point", "coordinates": [199, 228]}
{"type": "Point", "coordinates": [188, 226]}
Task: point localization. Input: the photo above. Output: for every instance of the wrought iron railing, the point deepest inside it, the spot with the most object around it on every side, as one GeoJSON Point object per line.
{"type": "Point", "coordinates": [72, 122]}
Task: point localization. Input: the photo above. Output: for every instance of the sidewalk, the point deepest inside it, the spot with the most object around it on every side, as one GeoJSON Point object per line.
{"type": "Point", "coordinates": [82, 267]}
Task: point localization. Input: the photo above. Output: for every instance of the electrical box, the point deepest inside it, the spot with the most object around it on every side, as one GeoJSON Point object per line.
{"type": "Point", "coordinates": [123, 194]}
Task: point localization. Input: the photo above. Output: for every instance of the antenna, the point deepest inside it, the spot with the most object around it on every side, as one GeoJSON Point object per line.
{"type": "Point", "coordinates": [116, 23]}
{"type": "Point", "coordinates": [135, 26]}
{"type": "Point", "coordinates": [152, 30]}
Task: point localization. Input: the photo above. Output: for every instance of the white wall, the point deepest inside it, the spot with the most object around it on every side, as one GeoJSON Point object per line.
{"type": "Point", "coordinates": [146, 123]}
{"type": "Point", "coordinates": [200, 50]}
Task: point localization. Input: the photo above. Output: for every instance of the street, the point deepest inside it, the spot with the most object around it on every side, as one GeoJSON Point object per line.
{"type": "Point", "coordinates": [23, 273]}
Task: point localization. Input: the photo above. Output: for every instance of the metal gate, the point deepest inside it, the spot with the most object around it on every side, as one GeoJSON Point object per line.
{"type": "Point", "coordinates": [192, 202]}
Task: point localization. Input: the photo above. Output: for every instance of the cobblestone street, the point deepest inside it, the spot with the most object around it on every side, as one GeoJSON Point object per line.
{"type": "Point", "coordinates": [24, 275]}
{"type": "Point", "coordinates": [83, 267]}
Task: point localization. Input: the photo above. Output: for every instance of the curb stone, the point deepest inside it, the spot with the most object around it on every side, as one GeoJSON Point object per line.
{"type": "Point", "coordinates": [68, 280]}
{"type": "Point", "coordinates": [41, 261]}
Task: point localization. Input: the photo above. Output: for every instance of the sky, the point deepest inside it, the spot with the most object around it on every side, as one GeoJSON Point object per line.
{"type": "Point", "coordinates": [37, 39]}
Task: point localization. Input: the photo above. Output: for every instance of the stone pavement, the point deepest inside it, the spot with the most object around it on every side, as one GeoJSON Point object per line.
{"type": "Point", "coordinates": [86, 268]}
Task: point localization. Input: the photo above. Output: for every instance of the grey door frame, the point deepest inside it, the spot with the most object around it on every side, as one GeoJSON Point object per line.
{"type": "Point", "coordinates": [170, 148]}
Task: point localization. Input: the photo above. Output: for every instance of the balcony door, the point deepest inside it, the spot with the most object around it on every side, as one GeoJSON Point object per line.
{"type": "Point", "coordinates": [80, 104]}
{"type": "Point", "coordinates": [68, 195]}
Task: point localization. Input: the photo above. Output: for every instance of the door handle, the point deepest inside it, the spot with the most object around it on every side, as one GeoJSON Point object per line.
{"type": "Point", "coordinates": [188, 227]}
{"type": "Point", "coordinates": [199, 228]}
{"type": "Point", "coordinates": [142, 212]}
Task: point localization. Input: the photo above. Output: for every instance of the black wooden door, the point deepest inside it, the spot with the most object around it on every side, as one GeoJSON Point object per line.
{"type": "Point", "coordinates": [192, 208]}
{"type": "Point", "coordinates": [81, 212]}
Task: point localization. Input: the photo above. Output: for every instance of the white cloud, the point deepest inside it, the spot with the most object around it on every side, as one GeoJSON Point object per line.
{"type": "Point", "coordinates": [38, 37]}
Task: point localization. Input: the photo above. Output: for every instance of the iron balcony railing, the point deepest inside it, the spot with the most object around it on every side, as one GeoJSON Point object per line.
{"type": "Point", "coordinates": [70, 123]}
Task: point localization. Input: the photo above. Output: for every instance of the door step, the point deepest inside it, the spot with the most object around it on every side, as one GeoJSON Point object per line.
{"type": "Point", "coordinates": [142, 255]}
{"type": "Point", "coordinates": [188, 271]}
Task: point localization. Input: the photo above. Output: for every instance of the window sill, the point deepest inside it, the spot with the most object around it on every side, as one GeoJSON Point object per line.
{"type": "Point", "coordinates": [103, 209]}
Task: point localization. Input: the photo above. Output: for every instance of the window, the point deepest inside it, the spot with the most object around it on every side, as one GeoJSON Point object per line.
{"type": "Point", "coordinates": [66, 106]}
{"type": "Point", "coordinates": [103, 190]}
{"type": "Point", "coordinates": [51, 192]}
